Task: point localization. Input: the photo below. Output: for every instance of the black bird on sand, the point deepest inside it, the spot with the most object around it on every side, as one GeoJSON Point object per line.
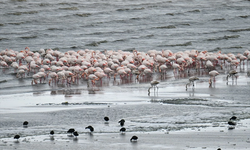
{"type": "Point", "coordinates": [17, 136]}
{"type": "Point", "coordinates": [122, 121]}
{"type": "Point", "coordinates": [133, 138]}
{"type": "Point", "coordinates": [25, 124]}
{"type": "Point", "coordinates": [122, 130]}
{"type": "Point", "coordinates": [75, 133]}
{"type": "Point", "coordinates": [90, 128]}
{"type": "Point", "coordinates": [71, 130]}
{"type": "Point", "coordinates": [52, 132]}
{"type": "Point", "coordinates": [106, 118]}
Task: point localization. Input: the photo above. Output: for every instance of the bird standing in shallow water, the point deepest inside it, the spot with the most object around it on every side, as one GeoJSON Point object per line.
{"type": "Point", "coordinates": [106, 119]}
{"type": "Point", "coordinates": [52, 133]}
{"type": "Point", "coordinates": [232, 74]}
{"type": "Point", "coordinates": [233, 118]}
{"type": "Point", "coordinates": [122, 121]}
{"type": "Point", "coordinates": [17, 137]}
{"type": "Point", "coordinates": [153, 85]}
{"type": "Point", "coordinates": [191, 80]}
{"type": "Point", "coordinates": [70, 131]}
{"type": "Point", "coordinates": [122, 130]}
{"type": "Point", "coordinates": [25, 124]}
{"type": "Point", "coordinates": [133, 138]}
{"type": "Point", "coordinates": [212, 74]}
{"type": "Point", "coordinates": [90, 128]}
{"type": "Point", "coordinates": [75, 133]}
{"type": "Point", "coordinates": [232, 123]}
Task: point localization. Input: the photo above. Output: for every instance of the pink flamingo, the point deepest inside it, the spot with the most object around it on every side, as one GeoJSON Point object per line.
{"type": "Point", "coordinates": [212, 73]}
{"type": "Point", "coordinates": [53, 76]}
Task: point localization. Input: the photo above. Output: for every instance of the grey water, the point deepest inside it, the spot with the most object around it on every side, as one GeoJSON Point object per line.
{"type": "Point", "coordinates": [143, 25]}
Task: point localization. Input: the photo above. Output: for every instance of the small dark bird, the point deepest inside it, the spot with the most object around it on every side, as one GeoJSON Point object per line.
{"type": "Point", "coordinates": [106, 118]}
{"type": "Point", "coordinates": [90, 128]}
{"type": "Point", "coordinates": [232, 123]}
{"type": "Point", "coordinates": [122, 130]}
{"type": "Point", "coordinates": [52, 132]}
{"type": "Point", "coordinates": [17, 136]}
{"type": "Point", "coordinates": [75, 133]}
{"type": "Point", "coordinates": [134, 138]}
{"type": "Point", "coordinates": [25, 124]}
{"type": "Point", "coordinates": [233, 118]}
{"type": "Point", "coordinates": [218, 149]}
{"type": "Point", "coordinates": [71, 130]}
{"type": "Point", "coordinates": [122, 121]}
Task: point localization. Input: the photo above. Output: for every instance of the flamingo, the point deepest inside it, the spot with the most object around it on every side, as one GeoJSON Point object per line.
{"type": "Point", "coordinates": [153, 84]}
{"type": "Point", "coordinates": [69, 74]}
{"type": "Point", "coordinates": [209, 65]}
{"type": "Point", "coordinates": [4, 64]}
{"type": "Point", "coordinates": [20, 56]}
{"type": "Point", "coordinates": [35, 78]}
{"type": "Point", "coordinates": [33, 66]}
{"type": "Point", "coordinates": [100, 75]}
{"type": "Point", "coordinates": [192, 80]}
{"type": "Point", "coordinates": [20, 73]}
{"type": "Point", "coordinates": [15, 65]}
{"type": "Point", "coordinates": [212, 73]}
{"type": "Point", "coordinates": [53, 76]}
{"type": "Point", "coordinates": [232, 74]}
{"type": "Point", "coordinates": [176, 66]}
{"type": "Point", "coordinates": [61, 76]}
{"type": "Point", "coordinates": [93, 78]}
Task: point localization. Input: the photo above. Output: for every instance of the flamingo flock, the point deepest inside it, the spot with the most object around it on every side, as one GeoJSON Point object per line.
{"type": "Point", "coordinates": [55, 67]}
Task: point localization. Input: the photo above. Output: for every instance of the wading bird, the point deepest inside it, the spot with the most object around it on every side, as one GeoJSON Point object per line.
{"type": "Point", "coordinates": [122, 130]}
{"type": "Point", "coordinates": [75, 133]}
{"type": "Point", "coordinates": [106, 119]}
{"type": "Point", "coordinates": [191, 80]}
{"type": "Point", "coordinates": [17, 137]}
{"type": "Point", "coordinates": [232, 122]}
{"type": "Point", "coordinates": [134, 138]}
{"type": "Point", "coordinates": [153, 85]}
{"type": "Point", "coordinates": [25, 124]}
{"type": "Point", "coordinates": [70, 131]}
{"type": "Point", "coordinates": [232, 74]}
{"type": "Point", "coordinates": [90, 128]}
{"type": "Point", "coordinates": [52, 133]}
{"type": "Point", "coordinates": [122, 121]}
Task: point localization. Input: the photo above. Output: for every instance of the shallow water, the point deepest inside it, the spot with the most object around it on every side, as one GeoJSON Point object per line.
{"type": "Point", "coordinates": [126, 25]}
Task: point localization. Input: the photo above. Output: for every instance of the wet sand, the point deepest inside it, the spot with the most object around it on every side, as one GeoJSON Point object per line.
{"type": "Point", "coordinates": [46, 106]}
{"type": "Point", "coordinates": [211, 139]}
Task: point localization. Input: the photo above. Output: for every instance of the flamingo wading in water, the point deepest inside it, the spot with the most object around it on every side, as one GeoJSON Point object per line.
{"type": "Point", "coordinates": [153, 85]}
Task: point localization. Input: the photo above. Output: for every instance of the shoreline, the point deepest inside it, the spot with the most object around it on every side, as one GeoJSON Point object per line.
{"type": "Point", "coordinates": [200, 138]}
